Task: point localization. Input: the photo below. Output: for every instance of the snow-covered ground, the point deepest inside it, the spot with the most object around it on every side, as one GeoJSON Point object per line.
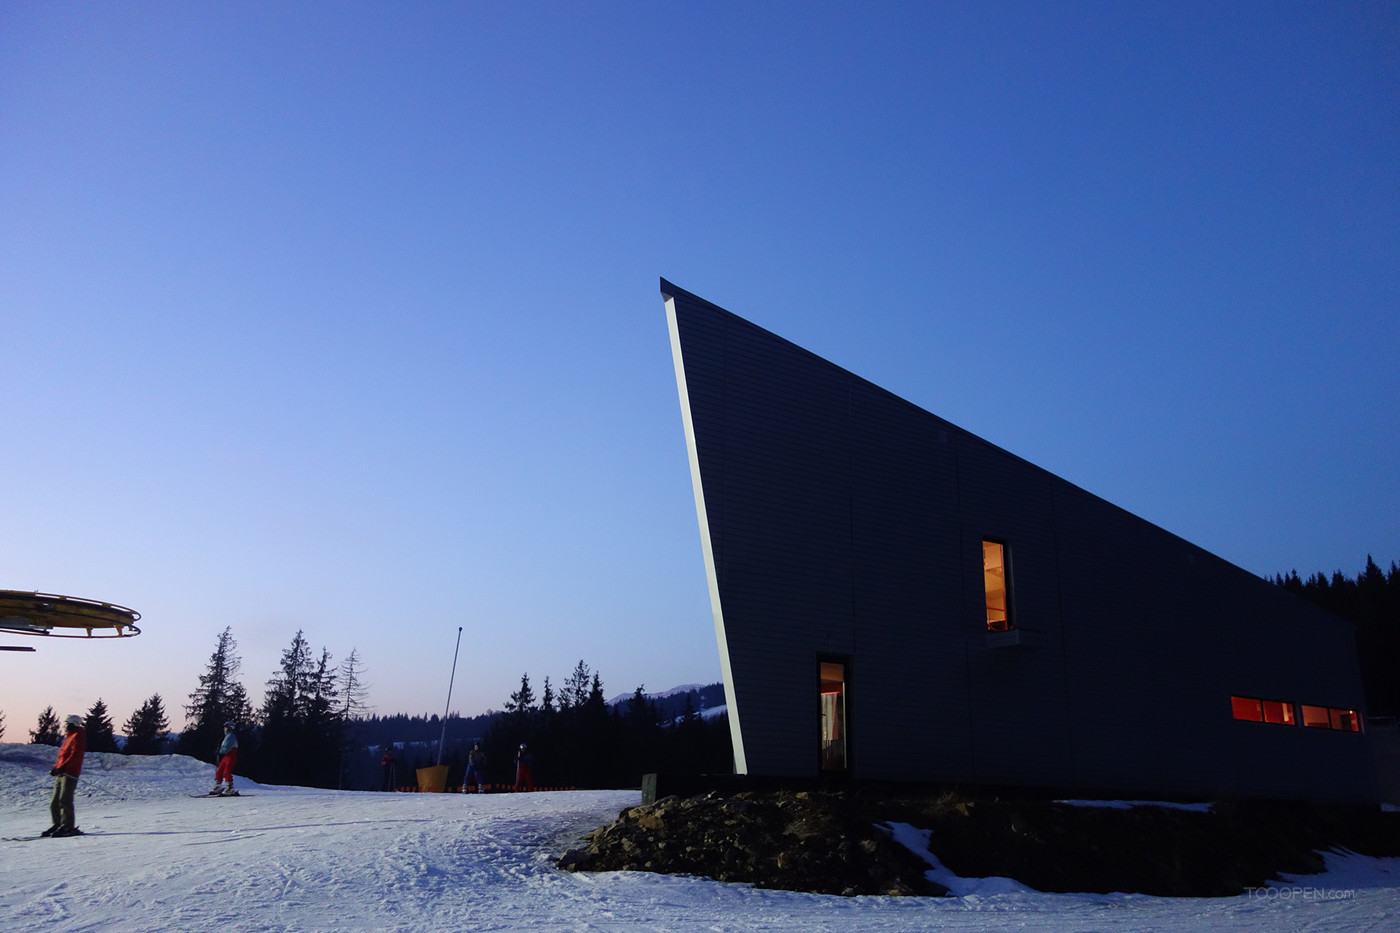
{"type": "Point", "coordinates": [294, 859]}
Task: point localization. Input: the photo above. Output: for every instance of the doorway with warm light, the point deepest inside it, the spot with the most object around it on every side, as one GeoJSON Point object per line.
{"type": "Point", "coordinates": [835, 751]}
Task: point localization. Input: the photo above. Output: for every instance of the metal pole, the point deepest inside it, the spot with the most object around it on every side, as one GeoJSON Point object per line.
{"type": "Point", "coordinates": [442, 743]}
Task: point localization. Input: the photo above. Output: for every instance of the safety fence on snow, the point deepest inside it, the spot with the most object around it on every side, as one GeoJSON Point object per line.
{"type": "Point", "coordinates": [486, 789]}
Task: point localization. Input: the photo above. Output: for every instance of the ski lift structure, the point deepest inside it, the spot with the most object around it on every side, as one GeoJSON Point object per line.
{"type": "Point", "coordinates": [53, 616]}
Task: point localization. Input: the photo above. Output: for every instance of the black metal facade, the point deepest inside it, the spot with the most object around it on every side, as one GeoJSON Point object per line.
{"type": "Point", "coordinates": [842, 522]}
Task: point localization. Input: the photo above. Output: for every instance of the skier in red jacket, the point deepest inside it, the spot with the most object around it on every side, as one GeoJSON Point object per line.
{"type": "Point", "coordinates": [65, 773]}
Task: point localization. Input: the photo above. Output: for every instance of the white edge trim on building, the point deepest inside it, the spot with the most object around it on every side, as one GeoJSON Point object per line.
{"type": "Point", "coordinates": [736, 736]}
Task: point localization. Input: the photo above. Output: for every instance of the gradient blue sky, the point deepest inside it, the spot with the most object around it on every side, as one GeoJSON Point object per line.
{"type": "Point", "coordinates": [345, 317]}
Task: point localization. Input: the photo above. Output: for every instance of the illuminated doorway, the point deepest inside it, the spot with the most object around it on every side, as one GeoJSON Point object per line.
{"type": "Point", "coordinates": [835, 753]}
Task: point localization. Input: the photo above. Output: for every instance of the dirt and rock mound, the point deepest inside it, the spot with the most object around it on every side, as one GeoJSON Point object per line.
{"type": "Point", "coordinates": [796, 841]}
{"type": "Point", "coordinates": [839, 842]}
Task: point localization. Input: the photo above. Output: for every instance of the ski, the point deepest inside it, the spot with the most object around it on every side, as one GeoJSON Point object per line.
{"type": "Point", "coordinates": [76, 832]}
{"type": "Point", "coordinates": [234, 794]}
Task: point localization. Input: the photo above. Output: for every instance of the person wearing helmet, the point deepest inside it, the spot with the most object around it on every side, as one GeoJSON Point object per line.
{"type": "Point", "coordinates": [389, 766]}
{"type": "Point", "coordinates": [65, 773]}
{"type": "Point", "coordinates": [524, 769]}
{"type": "Point", "coordinates": [227, 756]}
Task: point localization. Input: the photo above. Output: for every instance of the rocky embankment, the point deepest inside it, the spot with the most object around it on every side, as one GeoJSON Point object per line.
{"type": "Point", "coordinates": [794, 841]}
{"type": "Point", "coordinates": [837, 842]}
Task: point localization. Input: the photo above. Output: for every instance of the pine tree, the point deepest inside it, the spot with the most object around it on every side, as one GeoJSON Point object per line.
{"type": "Point", "coordinates": [353, 688]}
{"type": "Point", "coordinates": [689, 739]}
{"type": "Point", "coordinates": [288, 686]}
{"type": "Point", "coordinates": [322, 701]}
{"type": "Point", "coordinates": [690, 715]}
{"type": "Point", "coordinates": [594, 731]}
{"type": "Point", "coordinates": [100, 734]}
{"type": "Point", "coordinates": [240, 709]}
{"type": "Point", "coordinates": [147, 728]}
{"type": "Point", "coordinates": [324, 723]}
{"type": "Point", "coordinates": [47, 732]}
{"type": "Point", "coordinates": [522, 702]}
{"type": "Point", "coordinates": [219, 698]}
{"type": "Point", "coordinates": [353, 707]}
{"type": "Point", "coordinates": [575, 691]}
{"type": "Point", "coordinates": [283, 702]}
{"type": "Point", "coordinates": [639, 709]}
{"type": "Point", "coordinates": [639, 722]}
{"type": "Point", "coordinates": [302, 723]}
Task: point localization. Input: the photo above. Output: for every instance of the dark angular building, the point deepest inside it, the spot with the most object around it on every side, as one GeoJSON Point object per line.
{"type": "Point", "coordinates": [897, 599]}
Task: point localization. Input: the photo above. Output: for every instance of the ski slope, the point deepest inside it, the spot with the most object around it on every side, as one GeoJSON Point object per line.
{"type": "Point", "coordinates": [297, 859]}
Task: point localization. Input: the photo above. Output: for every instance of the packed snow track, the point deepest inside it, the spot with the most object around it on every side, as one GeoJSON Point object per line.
{"type": "Point", "coordinates": [295, 859]}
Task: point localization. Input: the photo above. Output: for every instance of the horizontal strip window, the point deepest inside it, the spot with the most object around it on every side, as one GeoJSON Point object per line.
{"type": "Point", "coordinates": [1280, 712]}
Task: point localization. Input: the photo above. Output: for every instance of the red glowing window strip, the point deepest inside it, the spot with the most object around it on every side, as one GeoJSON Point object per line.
{"type": "Point", "coordinates": [1282, 713]}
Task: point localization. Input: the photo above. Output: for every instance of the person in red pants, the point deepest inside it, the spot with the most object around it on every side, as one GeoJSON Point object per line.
{"type": "Point", "coordinates": [524, 769]}
{"type": "Point", "coordinates": [228, 757]}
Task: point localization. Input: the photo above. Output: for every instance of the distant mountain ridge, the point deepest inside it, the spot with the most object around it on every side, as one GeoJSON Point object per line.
{"type": "Point", "coordinates": [671, 703]}
{"type": "Point", "coordinates": [684, 688]}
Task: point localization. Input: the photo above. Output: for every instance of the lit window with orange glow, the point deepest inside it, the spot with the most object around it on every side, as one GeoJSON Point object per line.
{"type": "Point", "coordinates": [997, 582]}
{"type": "Point", "coordinates": [1247, 708]}
{"type": "Point", "coordinates": [1254, 710]}
{"type": "Point", "coordinates": [1344, 720]}
{"type": "Point", "coordinates": [1316, 717]}
{"type": "Point", "coordinates": [833, 716]}
{"type": "Point", "coordinates": [1278, 712]}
